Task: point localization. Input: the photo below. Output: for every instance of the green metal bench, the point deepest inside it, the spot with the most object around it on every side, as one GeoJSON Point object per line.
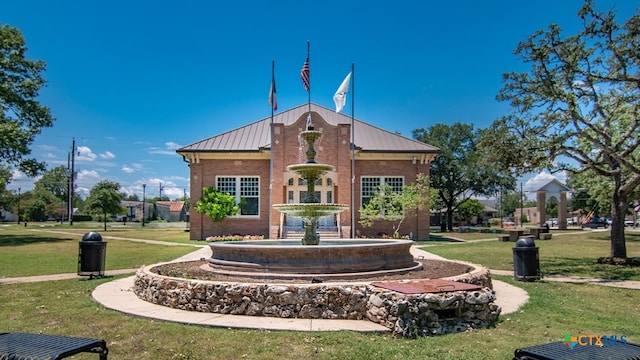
{"type": "Point", "coordinates": [18, 346]}
{"type": "Point", "coordinates": [560, 350]}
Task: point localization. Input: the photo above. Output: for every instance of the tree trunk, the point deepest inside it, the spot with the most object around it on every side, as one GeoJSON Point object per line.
{"type": "Point", "coordinates": [105, 221]}
{"type": "Point", "coordinates": [619, 207]}
{"type": "Point", "coordinates": [449, 219]}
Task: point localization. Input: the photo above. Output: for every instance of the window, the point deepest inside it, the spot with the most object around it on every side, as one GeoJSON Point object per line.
{"type": "Point", "coordinates": [246, 190]}
{"type": "Point", "coordinates": [371, 185]}
{"type": "Point", "coordinates": [369, 188]}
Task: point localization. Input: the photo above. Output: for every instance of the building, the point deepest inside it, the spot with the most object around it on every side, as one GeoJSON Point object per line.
{"type": "Point", "coordinates": [171, 210]}
{"type": "Point", "coordinates": [242, 162]}
{"type": "Point", "coordinates": [133, 210]}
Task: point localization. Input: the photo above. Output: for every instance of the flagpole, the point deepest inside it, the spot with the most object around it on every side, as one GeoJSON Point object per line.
{"type": "Point", "coordinates": [309, 92]}
{"type": "Point", "coordinates": [353, 155]}
{"type": "Point", "coordinates": [273, 99]}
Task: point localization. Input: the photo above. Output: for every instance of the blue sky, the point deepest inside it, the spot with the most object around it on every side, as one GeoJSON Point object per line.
{"type": "Point", "coordinates": [133, 80]}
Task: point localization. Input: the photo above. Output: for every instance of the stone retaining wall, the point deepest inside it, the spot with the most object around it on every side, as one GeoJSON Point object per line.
{"type": "Point", "coordinates": [406, 315]}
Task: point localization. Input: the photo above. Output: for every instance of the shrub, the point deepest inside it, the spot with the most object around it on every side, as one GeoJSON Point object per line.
{"type": "Point", "coordinates": [234, 238]}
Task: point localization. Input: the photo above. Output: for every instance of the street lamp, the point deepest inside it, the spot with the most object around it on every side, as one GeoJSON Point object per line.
{"type": "Point", "coordinates": [18, 206]}
{"type": "Point", "coordinates": [144, 186]}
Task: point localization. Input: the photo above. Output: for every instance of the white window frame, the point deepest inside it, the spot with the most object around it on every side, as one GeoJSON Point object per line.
{"type": "Point", "coordinates": [239, 191]}
{"type": "Point", "coordinates": [381, 180]}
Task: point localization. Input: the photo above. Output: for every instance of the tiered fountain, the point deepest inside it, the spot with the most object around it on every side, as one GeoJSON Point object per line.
{"type": "Point", "coordinates": [345, 261]}
{"type": "Point", "coordinates": [332, 258]}
{"type": "Point", "coordinates": [311, 209]}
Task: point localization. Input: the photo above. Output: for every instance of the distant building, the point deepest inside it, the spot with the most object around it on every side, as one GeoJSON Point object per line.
{"type": "Point", "coordinates": [8, 216]}
{"type": "Point", "coordinates": [171, 211]}
{"type": "Point", "coordinates": [133, 210]}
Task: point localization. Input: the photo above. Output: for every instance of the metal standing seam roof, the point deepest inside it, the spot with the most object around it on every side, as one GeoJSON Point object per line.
{"type": "Point", "coordinates": [255, 136]}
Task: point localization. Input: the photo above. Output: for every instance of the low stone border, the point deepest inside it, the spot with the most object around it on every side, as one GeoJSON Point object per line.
{"type": "Point", "coordinates": [407, 315]}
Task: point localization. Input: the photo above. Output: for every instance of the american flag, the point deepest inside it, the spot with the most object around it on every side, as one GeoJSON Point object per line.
{"type": "Point", "coordinates": [272, 95]}
{"type": "Point", "coordinates": [304, 75]}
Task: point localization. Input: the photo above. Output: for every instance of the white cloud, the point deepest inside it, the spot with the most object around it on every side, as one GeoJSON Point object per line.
{"type": "Point", "coordinates": [18, 175]}
{"type": "Point", "coordinates": [107, 155]}
{"type": "Point", "coordinates": [85, 154]}
{"type": "Point", "coordinates": [127, 169]}
{"type": "Point", "coordinates": [543, 178]}
{"type": "Point", "coordinates": [170, 149]}
{"type": "Point", "coordinates": [172, 145]}
{"type": "Point", "coordinates": [46, 147]}
{"type": "Point", "coordinates": [88, 175]}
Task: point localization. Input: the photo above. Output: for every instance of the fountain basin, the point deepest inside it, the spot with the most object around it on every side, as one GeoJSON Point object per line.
{"type": "Point", "coordinates": [288, 259]}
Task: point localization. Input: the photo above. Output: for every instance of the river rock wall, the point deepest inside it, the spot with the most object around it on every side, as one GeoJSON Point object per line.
{"type": "Point", "coordinates": [408, 315]}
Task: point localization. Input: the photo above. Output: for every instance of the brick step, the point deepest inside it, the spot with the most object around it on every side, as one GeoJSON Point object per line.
{"type": "Point", "coordinates": [299, 234]}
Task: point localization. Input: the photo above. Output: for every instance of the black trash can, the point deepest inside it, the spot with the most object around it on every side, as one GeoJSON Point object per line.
{"type": "Point", "coordinates": [526, 264]}
{"type": "Point", "coordinates": [91, 255]}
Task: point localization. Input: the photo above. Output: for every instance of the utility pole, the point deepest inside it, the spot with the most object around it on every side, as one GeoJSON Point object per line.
{"type": "Point", "coordinates": [144, 187]}
{"type": "Point", "coordinates": [160, 186]}
{"type": "Point", "coordinates": [72, 175]}
{"type": "Point", "coordinates": [18, 206]}
{"type": "Point", "coordinates": [521, 204]}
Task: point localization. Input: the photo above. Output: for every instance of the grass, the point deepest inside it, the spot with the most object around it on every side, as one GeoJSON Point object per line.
{"type": "Point", "coordinates": [42, 251]}
{"type": "Point", "coordinates": [568, 253]}
{"type": "Point", "coordinates": [66, 308]}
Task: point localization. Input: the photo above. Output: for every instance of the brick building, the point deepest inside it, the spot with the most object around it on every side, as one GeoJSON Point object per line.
{"type": "Point", "coordinates": [241, 162]}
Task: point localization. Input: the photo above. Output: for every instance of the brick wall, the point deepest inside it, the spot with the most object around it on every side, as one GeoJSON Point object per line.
{"type": "Point", "coordinates": [334, 149]}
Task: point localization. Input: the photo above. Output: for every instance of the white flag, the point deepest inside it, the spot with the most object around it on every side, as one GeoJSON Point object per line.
{"type": "Point", "coordinates": [340, 97]}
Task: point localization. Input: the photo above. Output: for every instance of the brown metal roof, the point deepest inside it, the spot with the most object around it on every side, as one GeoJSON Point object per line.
{"type": "Point", "coordinates": [255, 136]}
{"type": "Point", "coordinates": [174, 206]}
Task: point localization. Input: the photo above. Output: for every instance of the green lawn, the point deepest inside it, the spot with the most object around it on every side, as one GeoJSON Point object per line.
{"type": "Point", "coordinates": [567, 253]}
{"type": "Point", "coordinates": [554, 309]}
{"type": "Point", "coordinates": [42, 251]}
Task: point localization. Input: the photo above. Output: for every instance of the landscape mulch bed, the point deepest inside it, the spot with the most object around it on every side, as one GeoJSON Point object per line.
{"type": "Point", "coordinates": [432, 269]}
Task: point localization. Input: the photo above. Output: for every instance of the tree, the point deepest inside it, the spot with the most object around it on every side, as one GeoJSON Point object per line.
{"type": "Point", "coordinates": [511, 200]}
{"type": "Point", "coordinates": [56, 181]}
{"type": "Point", "coordinates": [104, 198]}
{"type": "Point", "coordinates": [469, 209]}
{"type": "Point", "coordinates": [131, 197]}
{"type": "Point", "coordinates": [461, 172]}
{"type": "Point", "coordinates": [577, 108]}
{"type": "Point", "coordinates": [21, 115]}
{"type": "Point", "coordinates": [389, 205]}
{"type": "Point", "coordinates": [6, 197]}
{"type": "Point", "coordinates": [217, 205]}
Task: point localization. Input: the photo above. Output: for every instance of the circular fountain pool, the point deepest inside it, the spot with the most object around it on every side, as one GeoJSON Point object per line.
{"type": "Point", "coordinates": [330, 258]}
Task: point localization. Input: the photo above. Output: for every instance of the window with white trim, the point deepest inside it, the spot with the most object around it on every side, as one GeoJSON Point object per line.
{"type": "Point", "coordinates": [371, 185]}
{"type": "Point", "coordinates": [246, 190]}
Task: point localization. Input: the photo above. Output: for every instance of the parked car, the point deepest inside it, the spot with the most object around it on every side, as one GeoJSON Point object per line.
{"type": "Point", "coordinates": [628, 222]}
{"type": "Point", "coordinates": [552, 222]}
{"type": "Point", "coordinates": [594, 223]}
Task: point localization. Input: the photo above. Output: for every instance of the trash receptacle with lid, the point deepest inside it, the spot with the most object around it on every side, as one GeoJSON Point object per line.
{"type": "Point", "coordinates": [92, 255]}
{"type": "Point", "coordinates": [526, 264]}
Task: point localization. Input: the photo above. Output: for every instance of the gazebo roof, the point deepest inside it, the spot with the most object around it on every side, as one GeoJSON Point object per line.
{"type": "Point", "coordinates": [552, 186]}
